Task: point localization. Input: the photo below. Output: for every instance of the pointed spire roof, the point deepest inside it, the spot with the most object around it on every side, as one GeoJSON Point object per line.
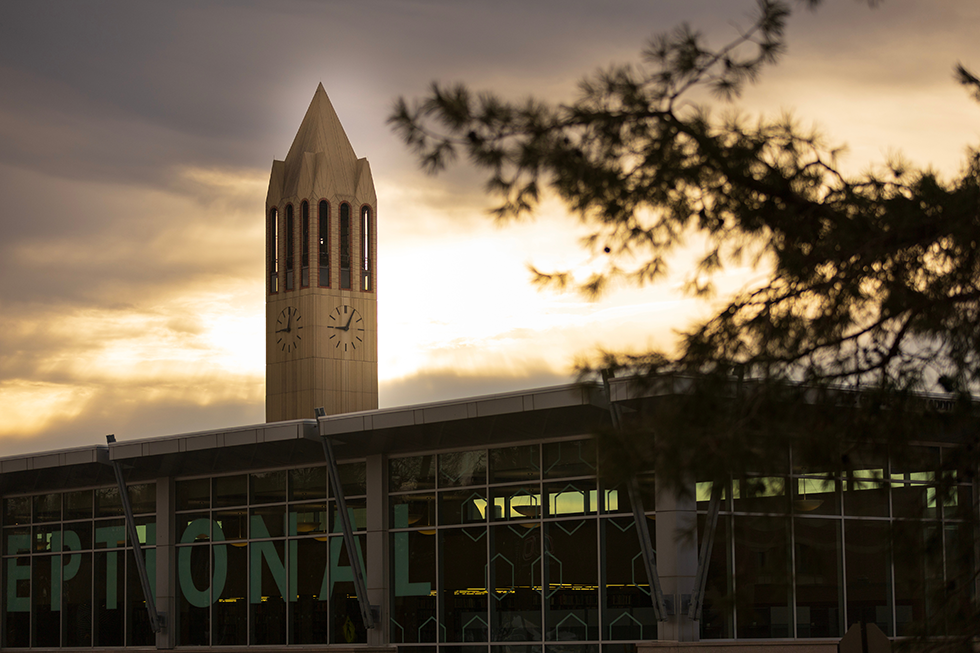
{"type": "Point", "coordinates": [321, 131]}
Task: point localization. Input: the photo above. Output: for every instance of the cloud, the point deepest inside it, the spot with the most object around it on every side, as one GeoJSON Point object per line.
{"type": "Point", "coordinates": [442, 384]}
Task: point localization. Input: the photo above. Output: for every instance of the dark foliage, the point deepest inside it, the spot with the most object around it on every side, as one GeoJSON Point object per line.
{"type": "Point", "coordinates": [871, 303]}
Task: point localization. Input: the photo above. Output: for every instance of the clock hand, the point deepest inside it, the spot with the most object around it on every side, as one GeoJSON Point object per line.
{"type": "Point", "coordinates": [347, 326]}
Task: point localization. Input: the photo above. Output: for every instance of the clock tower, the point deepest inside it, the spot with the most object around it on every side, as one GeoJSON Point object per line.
{"type": "Point", "coordinates": [321, 303]}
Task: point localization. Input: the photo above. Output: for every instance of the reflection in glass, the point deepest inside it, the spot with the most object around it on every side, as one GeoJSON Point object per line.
{"type": "Point", "coordinates": [194, 494]}
{"type": "Point", "coordinates": [415, 473]}
{"type": "Point", "coordinates": [353, 478]}
{"type": "Point", "coordinates": [142, 498]}
{"type": "Point", "coordinates": [562, 459]}
{"type": "Point", "coordinates": [47, 507]}
{"type": "Point", "coordinates": [16, 510]}
{"type": "Point", "coordinates": [308, 483]}
{"type": "Point", "coordinates": [462, 468]}
{"type": "Point", "coordinates": [268, 487]}
{"type": "Point", "coordinates": [513, 464]}
{"type": "Point", "coordinates": [230, 491]}
{"type": "Point", "coordinates": [107, 502]}
{"type": "Point", "coordinates": [78, 505]}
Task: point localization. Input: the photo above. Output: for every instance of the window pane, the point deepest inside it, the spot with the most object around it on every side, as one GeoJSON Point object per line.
{"type": "Point", "coordinates": [47, 507]}
{"type": "Point", "coordinates": [194, 578]}
{"type": "Point", "coordinates": [78, 505]}
{"type": "Point", "coordinates": [571, 568]}
{"type": "Point", "coordinates": [413, 510]}
{"type": "Point", "coordinates": [193, 495]}
{"type": "Point", "coordinates": [308, 483]}
{"type": "Point", "coordinates": [716, 612]}
{"type": "Point", "coordinates": [16, 510]}
{"type": "Point", "coordinates": [575, 498]}
{"type": "Point", "coordinates": [107, 502]}
{"type": "Point", "coordinates": [230, 610]}
{"type": "Point", "coordinates": [819, 596]}
{"type": "Point", "coordinates": [267, 592]}
{"type": "Point", "coordinates": [463, 506]}
{"type": "Point", "coordinates": [308, 611]}
{"type": "Point", "coordinates": [230, 491]}
{"type": "Point", "coordinates": [762, 577]}
{"type": "Point", "coordinates": [46, 619]}
{"type": "Point", "coordinates": [415, 473]}
{"type": "Point", "coordinates": [463, 468]}
{"type": "Point", "coordinates": [576, 458]}
{"type": "Point", "coordinates": [76, 599]}
{"type": "Point", "coordinates": [627, 609]}
{"type": "Point", "coordinates": [267, 487]}
{"type": "Point", "coordinates": [462, 570]}
{"type": "Point", "coordinates": [867, 561]}
{"type": "Point", "coordinates": [513, 464]}
{"type": "Point", "coordinates": [515, 583]}
{"type": "Point", "coordinates": [110, 592]}
{"type": "Point", "coordinates": [346, 624]}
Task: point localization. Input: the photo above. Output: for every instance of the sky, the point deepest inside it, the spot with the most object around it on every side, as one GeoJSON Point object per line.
{"type": "Point", "coordinates": [136, 140]}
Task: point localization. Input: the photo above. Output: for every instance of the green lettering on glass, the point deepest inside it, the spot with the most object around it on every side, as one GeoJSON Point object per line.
{"type": "Point", "coordinates": [16, 572]}
{"type": "Point", "coordinates": [337, 573]}
{"type": "Point", "coordinates": [259, 551]}
{"type": "Point", "coordinates": [401, 554]}
{"type": "Point", "coordinates": [111, 536]}
{"type": "Point", "coordinates": [201, 598]}
{"type": "Point", "coordinates": [69, 541]}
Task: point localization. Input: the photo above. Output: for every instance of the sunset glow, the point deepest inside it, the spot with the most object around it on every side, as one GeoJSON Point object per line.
{"type": "Point", "coordinates": [135, 157]}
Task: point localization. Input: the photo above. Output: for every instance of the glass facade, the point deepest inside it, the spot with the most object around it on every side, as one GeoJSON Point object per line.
{"type": "Point", "coordinates": [515, 546]}
{"type": "Point", "coordinates": [260, 559]}
{"type": "Point", "coordinates": [811, 552]}
{"type": "Point", "coordinates": [67, 573]}
{"type": "Point", "coordinates": [520, 546]}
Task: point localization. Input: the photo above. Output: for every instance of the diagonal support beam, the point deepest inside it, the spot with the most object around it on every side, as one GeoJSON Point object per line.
{"type": "Point", "coordinates": [157, 619]}
{"type": "Point", "coordinates": [639, 517]}
{"type": "Point", "coordinates": [704, 556]}
{"type": "Point", "coordinates": [367, 614]}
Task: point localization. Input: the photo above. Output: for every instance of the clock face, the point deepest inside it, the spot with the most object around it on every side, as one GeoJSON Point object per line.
{"type": "Point", "coordinates": [346, 329]}
{"type": "Point", "coordinates": [289, 330]}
